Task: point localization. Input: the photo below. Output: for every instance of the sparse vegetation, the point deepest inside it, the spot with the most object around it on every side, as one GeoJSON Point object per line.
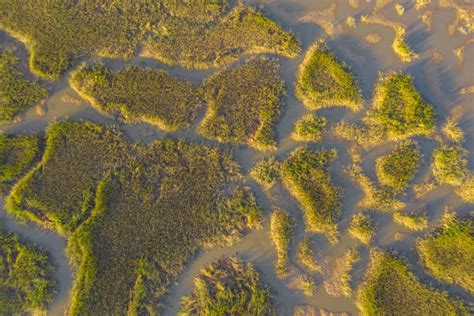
{"type": "Point", "coordinates": [420, 4]}
{"type": "Point", "coordinates": [306, 256]}
{"type": "Point", "coordinates": [362, 228]}
{"type": "Point", "coordinates": [338, 281]}
{"type": "Point", "coordinates": [411, 221]}
{"type": "Point", "coordinates": [390, 288]}
{"type": "Point", "coordinates": [448, 252]}
{"type": "Point", "coordinates": [266, 172]}
{"type": "Point", "coordinates": [452, 131]}
{"type": "Point", "coordinates": [399, 8]}
{"type": "Point", "coordinates": [351, 22]}
{"type": "Point", "coordinates": [309, 128]}
{"type": "Point", "coordinates": [303, 283]}
{"type": "Point", "coordinates": [450, 165]}
{"type": "Point", "coordinates": [367, 136]}
{"type": "Point", "coordinates": [323, 81]}
{"type": "Point", "coordinates": [466, 190]}
{"type": "Point", "coordinates": [244, 104]}
{"type": "Point", "coordinates": [228, 286]}
{"type": "Point", "coordinates": [281, 228]}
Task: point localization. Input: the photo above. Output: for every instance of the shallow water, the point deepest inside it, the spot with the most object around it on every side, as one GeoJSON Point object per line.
{"type": "Point", "coordinates": [439, 82]}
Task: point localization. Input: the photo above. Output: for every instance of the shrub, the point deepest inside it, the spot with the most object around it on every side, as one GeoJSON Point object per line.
{"type": "Point", "coordinates": [281, 228]}
{"type": "Point", "coordinates": [228, 286]}
{"type": "Point", "coordinates": [306, 256]}
{"type": "Point", "coordinates": [448, 252]}
{"type": "Point", "coordinates": [362, 228]}
{"type": "Point", "coordinates": [323, 81]}
{"type": "Point", "coordinates": [309, 128]}
{"type": "Point", "coordinates": [410, 221]}
{"type": "Point", "coordinates": [390, 288]}
{"type": "Point", "coordinates": [450, 165]}
{"type": "Point", "coordinates": [338, 281]}
{"type": "Point", "coordinates": [266, 172]}
{"type": "Point", "coordinates": [244, 104]}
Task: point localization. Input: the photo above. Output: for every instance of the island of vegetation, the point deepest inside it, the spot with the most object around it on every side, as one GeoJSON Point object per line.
{"type": "Point", "coordinates": [306, 256]}
{"type": "Point", "coordinates": [309, 128]}
{"type": "Point", "coordinates": [139, 95]}
{"type": "Point", "coordinates": [362, 228]}
{"type": "Point", "coordinates": [450, 165]}
{"type": "Point", "coordinates": [411, 221]}
{"type": "Point", "coordinates": [228, 286]}
{"type": "Point", "coordinates": [133, 214]}
{"type": "Point", "coordinates": [266, 172]}
{"type": "Point", "coordinates": [281, 229]}
{"type": "Point", "coordinates": [244, 104]}
{"type": "Point", "coordinates": [337, 282]}
{"type": "Point", "coordinates": [323, 81]}
{"type": "Point", "coordinates": [195, 34]}
{"type": "Point", "coordinates": [27, 284]}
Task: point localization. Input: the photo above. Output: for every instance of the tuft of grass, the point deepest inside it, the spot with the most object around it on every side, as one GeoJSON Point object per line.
{"type": "Point", "coordinates": [420, 4]}
{"type": "Point", "coordinates": [306, 256]}
{"type": "Point", "coordinates": [17, 94]}
{"type": "Point", "coordinates": [266, 172]}
{"type": "Point", "coordinates": [362, 228]}
{"type": "Point", "coordinates": [366, 136]}
{"type": "Point", "coordinates": [398, 167]}
{"type": "Point", "coordinates": [449, 165]}
{"type": "Point", "coordinates": [139, 95]}
{"type": "Point", "coordinates": [399, 8]}
{"type": "Point", "coordinates": [447, 253]}
{"type": "Point", "coordinates": [338, 281]}
{"type": "Point", "coordinates": [303, 283]}
{"type": "Point", "coordinates": [452, 131]}
{"type": "Point", "coordinates": [390, 288]}
{"type": "Point", "coordinates": [323, 81]}
{"type": "Point", "coordinates": [305, 173]}
{"type": "Point", "coordinates": [410, 221]}
{"type": "Point", "coordinates": [466, 190]}
{"type": "Point", "coordinates": [244, 104]}
{"type": "Point", "coordinates": [27, 283]}
{"type": "Point", "coordinates": [281, 229]}
{"type": "Point", "coordinates": [351, 22]}
{"type": "Point", "coordinates": [228, 286]}
{"type": "Point", "coordinates": [309, 128]}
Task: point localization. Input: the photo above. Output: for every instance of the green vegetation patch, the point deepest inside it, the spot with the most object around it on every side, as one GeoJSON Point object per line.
{"type": "Point", "coordinates": [133, 214]}
{"type": "Point", "coordinates": [196, 34]}
{"type": "Point", "coordinates": [228, 286]}
{"type": "Point", "coordinates": [323, 81]}
{"type": "Point", "coordinates": [244, 104]}
{"type": "Point", "coordinates": [266, 172]}
{"type": "Point", "coordinates": [305, 174]}
{"type": "Point", "coordinates": [16, 93]}
{"type": "Point", "coordinates": [398, 167]}
{"type": "Point", "coordinates": [411, 221]}
{"type": "Point", "coordinates": [27, 284]}
{"type": "Point", "coordinates": [362, 228]}
{"type": "Point", "coordinates": [309, 128]}
{"type": "Point", "coordinates": [448, 252]}
{"type": "Point", "coordinates": [281, 229]}
{"type": "Point", "coordinates": [466, 190]}
{"type": "Point", "coordinates": [306, 256]}
{"type": "Point", "coordinates": [143, 95]}
{"type": "Point", "coordinates": [450, 165]}
{"type": "Point", "coordinates": [337, 283]}
{"type": "Point", "coordinates": [390, 288]}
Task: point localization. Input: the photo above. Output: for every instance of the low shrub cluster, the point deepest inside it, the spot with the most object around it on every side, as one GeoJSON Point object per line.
{"type": "Point", "coordinates": [244, 104]}
{"type": "Point", "coordinates": [390, 288]}
{"type": "Point", "coordinates": [281, 229]}
{"type": "Point", "coordinates": [337, 283]}
{"type": "Point", "coordinates": [228, 286]}
{"type": "Point", "coordinates": [362, 228]}
{"type": "Point", "coordinates": [309, 128]}
{"type": "Point", "coordinates": [306, 256]}
{"type": "Point", "coordinates": [266, 172]}
{"type": "Point", "coordinates": [411, 221]}
{"type": "Point", "coordinates": [27, 284]}
{"type": "Point", "coordinates": [450, 165]}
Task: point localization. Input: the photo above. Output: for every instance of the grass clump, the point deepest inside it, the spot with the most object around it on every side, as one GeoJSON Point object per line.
{"type": "Point", "coordinates": [447, 253]}
{"type": "Point", "coordinates": [305, 174]}
{"type": "Point", "coordinates": [366, 136]}
{"type": "Point", "coordinates": [449, 165]}
{"type": "Point", "coordinates": [362, 228]}
{"type": "Point", "coordinates": [306, 256]}
{"type": "Point", "coordinates": [390, 288]}
{"type": "Point", "coordinates": [303, 282]}
{"type": "Point", "coordinates": [228, 286]}
{"type": "Point", "coordinates": [281, 229]}
{"type": "Point", "coordinates": [338, 282]}
{"type": "Point", "coordinates": [410, 221]}
{"type": "Point", "coordinates": [452, 131]}
{"type": "Point", "coordinates": [398, 167]}
{"type": "Point", "coordinates": [97, 189]}
{"type": "Point", "coordinates": [17, 94]}
{"type": "Point", "coordinates": [244, 103]}
{"type": "Point", "coordinates": [309, 128]}
{"type": "Point", "coordinates": [466, 190]}
{"type": "Point", "coordinates": [27, 284]}
{"type": "Point", "coordinates": [323, 81]}
{"type": "Point", "coordinates": [266, 172]}
{"type": "Point", "coordinates": [139, 95]}
{"type": "Point", "coordinates": [17, 154]}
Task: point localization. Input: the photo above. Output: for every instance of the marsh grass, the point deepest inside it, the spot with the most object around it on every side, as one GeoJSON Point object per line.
{"type": "Point", "coordinates": [411, 221]}
{"type": "Point", "coordinates": [309, 128]}
{"type": "Point", "coordinates": [266, 172]}
{"type": "Point", "coordinates": [323, 81]}
{"type": "Point", "coordinates": [281, 230]}
{"type": "Point", "coordinates": [466, 190]}
{"type": "Point", "coordinates": [302, 282]}
{"type": "Point", "coordinates": [362, 228]}
{"type": "Point", "coordinates": [390, 288]}
{"type": "Point", "coordinates": [449, 165]}
{"type": "Point", "coordinates": [452, 131]}
{"type": "Point", "coordinates": [337, 283]}
{"type": "Point", "coordinates": [243, 104]}
{"type": "Point", "coordinates": [228, 286]}
{"type": "Point", "coordinates": [367, 136]}
{"type": "Point", "coordinates": [306, 256]}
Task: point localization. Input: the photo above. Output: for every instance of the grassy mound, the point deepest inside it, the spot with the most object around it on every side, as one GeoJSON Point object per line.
{"type": "Point", "coordinates": [281, 229]}
{"type": "Point", "coordinates": [323, 81]}
{"type": "Point", "coordinates": [362, 228]}
{"type": "Point", "coordinates": [448, 252]}
{"type": "Point", "coordinates": [390, 288]}
{"type": "Point", "coordinates": [139, 95]}
{"type": "Point", "coordinates": [27, 284]}
{"type": "Point", "coordinates": [309, 128]}
{"type": "Point", "coordinates": [338, 281]}
{"type": "Point", "coordinates": [266, 172]}
{"type": "Point", "coordinates": [244, 103]}
{"type": "Point", "coordinates": [196, 34]}
{"type": "Point", "coordinates": [133, 214]}
{"type": "Point", "coordinates": [399, 108]}
{"type": "Point", "coordinates": [410, 221]}
{"type": "Point", "coordinates": [305, 174]}
{"type": "Point", "coordinates": [228, 286]}
{"type": "Point", "coordinates": [398, 167]}
{"type": "Point", "coordinates": [466, 190]}
{"type": "Point", "coordinates": [16, 94]}
{"type": "Point", "coordinates": [17, 154]}
{"type": "Point", "coordinates": [306, 256]}
{"type": "Point", "coordinates": [450, 165]}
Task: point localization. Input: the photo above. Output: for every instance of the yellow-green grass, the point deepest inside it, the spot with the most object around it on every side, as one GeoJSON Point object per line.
{"type": "Point", "coordinates": [27, 283]}
{"type": "Point", "coordinates": [194, 34]}
{"type": "Point", "coordinates": [323, 81]}
{"type": "Point", "coordinates": [305, 173]}
{"type": "Point", "coordinates": [17, 94]}
{"type": "Point", "coordinates": [398, 167]}
{"type": "Point", "coordinates": [466, 190]}
{"type": "Point", "coordinates": [362, 228]}
{"type": "Point", "coordinates": [452, 131]}
{"type": "Point", "coordinates": [133, 214]}
{"type": "Point", "coordinates": [306, 256]}
{"type": "Point", "coordinates": [390, 288]}
{"type": "Point", "coordinates": [17, 154]}
{"type": "Point", "coordinates": [447, 253]}
{"type": "Point", "coordinates": [304, 283]}
{"type": "Point", "coordinates": [337, 283]}
{"type": "Point", "coordinates": [367, 136]}
{"type": "Point", "coordinates": [281, 230]}
{"type": "Point", "coordinates": [411, 221]}
{"type": "Point", "coordinates": [399, 108]}
{"type": "Point", "coordinates": [139, 95]}
{"type": "Point", "coordinates": [266, 172]}
{"type": "Point", "coordinates": [449, 165]}
{"type": "Point", "coordinates": [243, 104]}
{"type": "Point", "coordinates": [309, 128]}
{"type": "Point", "coordinates": [228, 286]}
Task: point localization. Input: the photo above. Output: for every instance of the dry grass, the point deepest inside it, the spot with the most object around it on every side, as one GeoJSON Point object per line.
{"type": "Point", "coordinates": [337, 283]}
{"type": "Point", "coordinates": [281, 229]}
